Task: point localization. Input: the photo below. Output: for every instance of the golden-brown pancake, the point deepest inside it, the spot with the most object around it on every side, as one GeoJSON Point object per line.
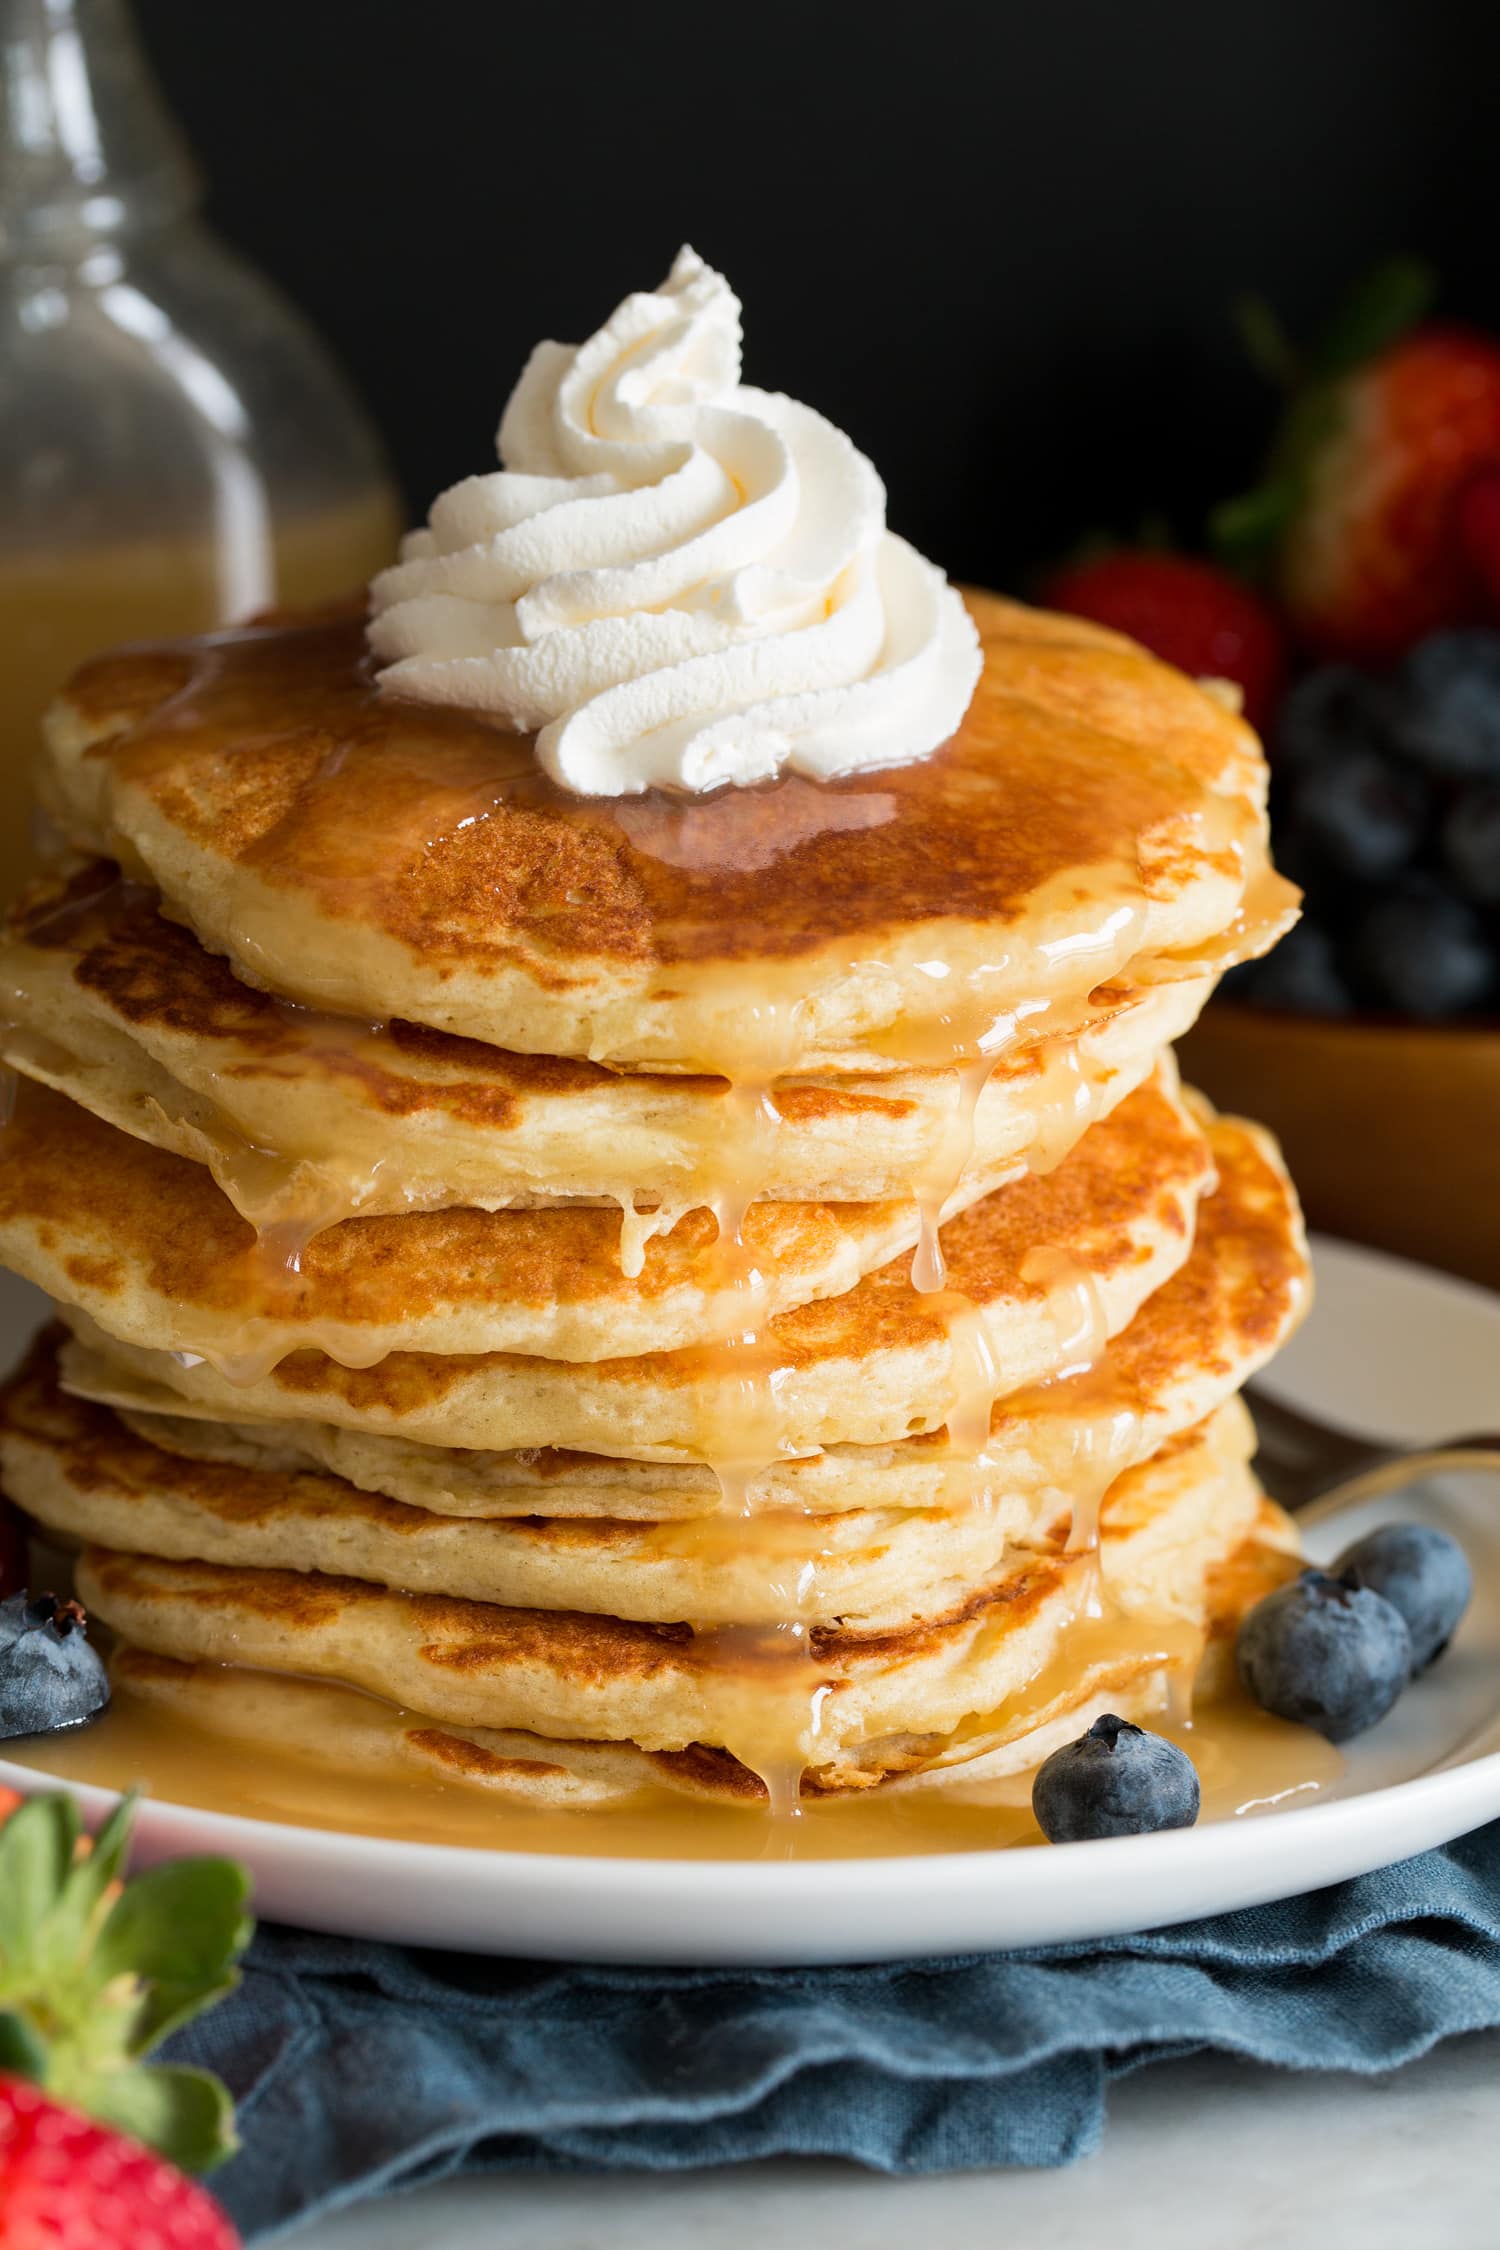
{"type": "Point", "coordinates": [1191, 1346]}
{"type": "Point", "coordinates": [87, 1478]}
{"type": "Point", "coordinates": [954, 1690]}
{"type": "Point", "coordinates": [141, 1237]}
{"type": "Point", "coordinates": [378, 857]}
{"type": "Point", "coordinates": [305, 1117]}
{"type": "Point", "coordinates": [879, 1363]}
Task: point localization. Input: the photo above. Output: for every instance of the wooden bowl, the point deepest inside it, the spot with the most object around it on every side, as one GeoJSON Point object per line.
{"type": "Point", "coordinates": [1392, 1130]}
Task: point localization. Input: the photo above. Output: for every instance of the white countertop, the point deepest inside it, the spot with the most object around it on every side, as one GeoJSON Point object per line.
{"type": "Point", "coordinates": [1208, 2155]}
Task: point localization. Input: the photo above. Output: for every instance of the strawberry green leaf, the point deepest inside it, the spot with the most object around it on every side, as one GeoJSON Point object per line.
{"type": "Point", "coordinates": [179, 1930]}
{"type": "Point", "coordinates": [37, 1845]}
{"type": "Point", "coordinates": [106, 1862]}
{"type": "Point", "coordinates": [64, 1938]}
{"type": "Point", "coordinates": [1374, 314]}
{"type": "Point", "coordinates": [185, 2115]}
{"type": "Point", "coordinates": [1268, 347]}
{"type": "Point", "coordinates": [1243, 532]}
{"type": "Point", "coordinates": [93, 1973]}
{"type": "Point", "coordinates": [23, 2051]}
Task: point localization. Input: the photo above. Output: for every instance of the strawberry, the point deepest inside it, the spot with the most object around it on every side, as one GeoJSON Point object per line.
{"type": "Point", "coordinates": [1360, 522]}
{"type": "Point", "coordinates": [1191, 613]}
{"type": "Point", "coordinates": [94, 1971]}
{"type": "Point", "coordinates": [1478, 519]}
{"type": "Point", "coordinates": [69, 2184]}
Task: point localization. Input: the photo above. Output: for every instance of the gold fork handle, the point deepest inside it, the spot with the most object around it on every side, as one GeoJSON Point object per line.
{"type": "Point", "coordinates": [1400, 1469]}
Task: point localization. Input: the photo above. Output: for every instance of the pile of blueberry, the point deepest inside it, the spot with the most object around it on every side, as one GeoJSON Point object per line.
{"type": "Point", "coordinates": [1385, 808]}
{"type": "Point", "coordinates": [1333, 1649]}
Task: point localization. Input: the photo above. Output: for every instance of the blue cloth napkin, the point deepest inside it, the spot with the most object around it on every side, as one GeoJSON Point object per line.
{"type": "Point", "coordinates": [360, 2069]}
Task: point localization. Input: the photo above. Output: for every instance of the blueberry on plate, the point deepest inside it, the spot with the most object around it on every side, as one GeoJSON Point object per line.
{"type": "Point", "coordinates": [1325, 1654]}
{"type": "Point", "coordinates": [1360, 813]}
{"type": "Point", "coordinates": [49, 1675]}
{"type": "Point", "coordinates": [1425, 954]}
{"type": "Point", "coordinates": [1300, 973]}
{"type": "Point", "coordinates": [1116, 1780]}
{"type": "Point", "coordinates": [1418, 1570]}
{"type": "Point", "coordinates": [1450, 704]}
{"type": "Point", "coordinates": [1471, 843]}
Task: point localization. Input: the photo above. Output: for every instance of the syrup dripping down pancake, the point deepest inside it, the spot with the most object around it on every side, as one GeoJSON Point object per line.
{"type": "Point", "coordinates": [955, 1690]}
{"type": "Point", "coordinates": [556, 1534]}
{"type": "Point", "coordinates": [303, 1115]}
{"type": "Point", "coordinates": [147, 1240]}
{"type": "Point", "coordinates": [1194, 1343]}
{"type": "Point", "coordinates": [879, 1363]}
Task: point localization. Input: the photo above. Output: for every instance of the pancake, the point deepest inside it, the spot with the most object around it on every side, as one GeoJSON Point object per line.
{"type": "Point", "coordinates": [1191, 1346]}
{"type": "Point", "coordinates": [1095, 812]}
{"type": "Point", "coordinates": [340, 1729]}
{"type": "Point", "coordinates": [306, 1117]}
{"type": "Point", "coordinates": [86, 1477]}
{"type": "Point", "coordinates": [881, 1362]}
{"type": "Point", "coordinates": [147, 1243]}
{"type": "Point", "coordinates": [951, 1691]}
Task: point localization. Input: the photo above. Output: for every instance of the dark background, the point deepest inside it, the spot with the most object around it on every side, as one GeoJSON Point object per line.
{"type": "Point", "coordinates": [996, 243]}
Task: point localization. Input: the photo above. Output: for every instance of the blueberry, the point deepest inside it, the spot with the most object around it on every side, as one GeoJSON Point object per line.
{"type": "Point", "coordinates": [1450, 704]}
{"type": "Point", "coordinates": [1116, 1780]}
{"type": "Point", "coordinates": [1359, 813]}
{"type": "Point", "coordinates": [1332, 707]}
{"type": "Point", "coordinates": [1330, 1656]}
{"type": "Point", "coordinates": [1301, 973]}
{"type": "Point", "coordinates": [49, 1675]}
{"type": "Point", "coordinates": [1424, 954]}
{"type": "Point", "coordinates": [1418, 1570]}
{"type": "Point", "coordinates": [1471, 843]}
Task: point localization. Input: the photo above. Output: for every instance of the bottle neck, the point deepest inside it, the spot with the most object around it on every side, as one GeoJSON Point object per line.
{"type": "Point", "coordinates": [88, 149]}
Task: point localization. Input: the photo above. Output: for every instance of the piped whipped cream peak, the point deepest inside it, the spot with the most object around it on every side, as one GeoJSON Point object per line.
{"type": "Point", "coordinates": [676, 580]}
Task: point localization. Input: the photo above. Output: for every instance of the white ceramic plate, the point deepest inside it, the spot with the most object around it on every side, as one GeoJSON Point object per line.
{"type": "Point", "coordinates": [1391, 1348]}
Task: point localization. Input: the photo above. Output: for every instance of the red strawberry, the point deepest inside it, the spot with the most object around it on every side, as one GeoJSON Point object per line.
{"type": "Point", "coordinates": [1478, 519]}
{"type": "Point", "coordinates": [1371, 523]}
{"type": "Point", "coordinates": [1192, 614]}
{"type": "Point", "coordinates": [94, 1973]}
{"type": "Point", "coordinates": [69, 2184]}
{"type": "Point", "coordinates": [1372, 558]}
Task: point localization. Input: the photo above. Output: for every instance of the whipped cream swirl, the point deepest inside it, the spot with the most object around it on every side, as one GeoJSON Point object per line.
{"type": "Point", "coordinates": [676, 580]}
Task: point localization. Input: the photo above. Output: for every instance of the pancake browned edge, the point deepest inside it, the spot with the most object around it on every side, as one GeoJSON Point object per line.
{"type": "Point", "coordinates": [146, 1244]}
{"type": "Point", "coordinates": [875, 1365]}
{"type": "Point", "coordinates": [322, 1725]}
{"type": "Point", "coordinates": [971, 1691]}
{"type": "Point", "coordinates": [1095, 813]}
{"type": "Point", "coordinates": [1194, 1342]}
{"type": "Point", "coordinates": [159, 1485]}
{"type": "Point", "coordinates": [123, 1011]}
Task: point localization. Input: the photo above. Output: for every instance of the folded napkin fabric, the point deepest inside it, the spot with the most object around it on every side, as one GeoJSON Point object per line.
{"type": "Point", "coordinates": [360, 2069]}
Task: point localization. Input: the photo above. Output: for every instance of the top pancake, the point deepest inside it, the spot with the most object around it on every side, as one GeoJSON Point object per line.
{"type": "Point", "coordinates": [381, 857]}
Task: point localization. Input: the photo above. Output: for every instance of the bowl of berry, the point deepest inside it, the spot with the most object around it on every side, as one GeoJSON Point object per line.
{"type": "Point", "coordinates": [1354, 599]}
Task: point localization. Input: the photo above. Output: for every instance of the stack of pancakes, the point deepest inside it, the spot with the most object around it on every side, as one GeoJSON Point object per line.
{"type": "Point", "coordinates": [723, 1295]}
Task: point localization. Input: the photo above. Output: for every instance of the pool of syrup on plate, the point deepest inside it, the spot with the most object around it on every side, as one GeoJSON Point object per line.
{"type": "Point", "coordinates": [1247, 1763]}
